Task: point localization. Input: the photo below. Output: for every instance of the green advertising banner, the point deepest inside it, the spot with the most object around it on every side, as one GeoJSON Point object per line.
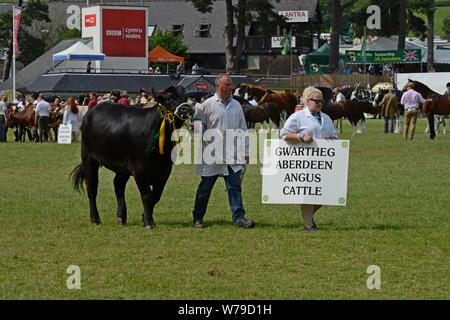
{"type": "Point", "coordinates": [385, 56]}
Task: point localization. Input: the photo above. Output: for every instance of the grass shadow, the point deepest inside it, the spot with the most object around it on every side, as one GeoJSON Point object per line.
{"type": "Point", "coordinates": [378, 227]}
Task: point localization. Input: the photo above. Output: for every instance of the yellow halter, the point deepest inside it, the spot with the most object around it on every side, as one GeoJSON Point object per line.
{"type": "Point", "coordinates": [170, 117]}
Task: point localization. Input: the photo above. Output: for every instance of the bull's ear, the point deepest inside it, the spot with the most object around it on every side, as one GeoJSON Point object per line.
{"type": "Point", "coordinates": [158, 97]}
{"type": "Point", "coordinates": [180, 91]}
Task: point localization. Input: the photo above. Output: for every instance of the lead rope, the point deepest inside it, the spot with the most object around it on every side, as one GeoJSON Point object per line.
{"type": "Point", "coordinates": [169, 116]}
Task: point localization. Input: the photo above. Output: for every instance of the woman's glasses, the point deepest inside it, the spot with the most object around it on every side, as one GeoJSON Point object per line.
{"type": "Point", "coordinates": [316, 101]}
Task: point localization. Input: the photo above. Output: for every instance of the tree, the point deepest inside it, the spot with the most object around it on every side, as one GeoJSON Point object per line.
{"type": "Point", "coordinates": [430, 34]}
{"type": "Point", "coordinates": [446, 28]}
{"type": "Point", "coordinates": [66, 33]}
{"type": "Point", "coordinates": [427, 7]}
{"type": "Point", "coordinates": [338, 7]}
{"type": "Point", "coordinates": [169, 41]}
{"type": "Point", "coordinates": [33, 11]}
{"type": "Point", "coordinates": [403, 4]}
{"type": "Point", "coordinates": [237, 17]}
{"type": "Point", "coordinates": [172, 43]}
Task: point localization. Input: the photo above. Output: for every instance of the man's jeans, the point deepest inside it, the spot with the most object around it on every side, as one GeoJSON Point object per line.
{"type": "Point", "coordinates": [233, 185]}
{"type": "Point", "coordinates": [2, 129]}
{"type": "Point", "coordinates": [388, 125]}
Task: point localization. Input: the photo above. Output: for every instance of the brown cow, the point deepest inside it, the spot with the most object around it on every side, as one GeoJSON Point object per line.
{"type": "Point", "coordinates": [26, 119]}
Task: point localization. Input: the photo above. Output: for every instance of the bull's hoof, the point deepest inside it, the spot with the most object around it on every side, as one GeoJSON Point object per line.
{"type": "Point", "coordinates": [121, 221]}
{"type": "Point", "coordinates": [96, 221]}
{"type": "Point", "coordinates": [150, 226]}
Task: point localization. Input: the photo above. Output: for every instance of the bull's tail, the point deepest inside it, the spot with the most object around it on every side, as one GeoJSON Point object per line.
{"type": "Point", "coordinates": [78, 176]}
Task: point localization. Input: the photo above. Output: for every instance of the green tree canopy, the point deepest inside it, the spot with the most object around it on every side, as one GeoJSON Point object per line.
{"type": "Point", "coordinates": [239, 14]}
{"type": "Point", "coordinates": [172, 43]}
{"type": "Point", "coordinates": [30, 46]}
{"type": "Point", "coordinates": [169, 41]}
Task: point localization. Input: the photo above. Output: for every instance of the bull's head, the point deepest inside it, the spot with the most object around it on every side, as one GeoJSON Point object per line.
{"type": "Point", "coordinates": [175, 99]}
{"type": "Point", "coordinates": [184, 111]}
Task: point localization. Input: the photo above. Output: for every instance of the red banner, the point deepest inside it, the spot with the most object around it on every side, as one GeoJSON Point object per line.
{"type": "Point", "coordinates": [123, 33]}
{"type": "Point", "coordinates": [90, 20]}
{"type": "Point", "coordinates": [16, 24]}
{"type": "Point", "coordinates": [201, 86]}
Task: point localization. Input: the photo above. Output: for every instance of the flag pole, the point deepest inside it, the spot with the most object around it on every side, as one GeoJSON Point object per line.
{"type": "Point", "coordinates": [364, 57]}
{"type": "Point", "coordinates": [13, 57]}
{"type": "Point", "coordinates": [290, 45]}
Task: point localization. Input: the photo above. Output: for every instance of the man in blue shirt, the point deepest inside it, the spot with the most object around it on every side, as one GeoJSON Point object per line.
{"type": "Point", "coordinates": [215, 119]}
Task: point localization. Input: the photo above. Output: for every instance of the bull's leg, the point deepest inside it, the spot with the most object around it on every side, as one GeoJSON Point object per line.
{"type": "Point", "coordinates": [16, 133]}
{"type": "Point", "coordinates": [430, 117]}
{"type": "Point", "coordinates": [359, 127]}
{"type": "Point", "coordinates": [29, 134]}
{"type": "Point", "coordinates": [146, 197]}
{"type": "Point", "coordinates": [157, 190]}
{"type": "Point", "coordinates": [120, 182]}
{"type": "Point", "coordinates": [50, 136]}
{"type": "Point", "coordinates": [363, 125]}
{"type": "Point", "coordinates": [92, 166]}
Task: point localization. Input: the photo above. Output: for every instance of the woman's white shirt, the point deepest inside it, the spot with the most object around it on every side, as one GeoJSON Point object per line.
{"type": "Point", "coordinates": [304, 122]}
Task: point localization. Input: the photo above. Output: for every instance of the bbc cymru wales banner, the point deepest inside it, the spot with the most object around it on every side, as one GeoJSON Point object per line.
{"type": "Point", "coordinates": [386, 56]}
{"type": "Point", "coordinates": [314, 173]}
{"type": "Point", "coordinates": [124, 33]}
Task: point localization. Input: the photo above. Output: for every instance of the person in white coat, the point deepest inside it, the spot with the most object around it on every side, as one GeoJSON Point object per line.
{"type": "Point", "coordinates": [72, 116]}
{"type": "Point", "coordinates": [305, 126]}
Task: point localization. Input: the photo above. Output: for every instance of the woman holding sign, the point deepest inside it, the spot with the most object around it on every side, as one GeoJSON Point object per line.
{"type": "Point", "coordinates": [304, 127]}
{"type": "Point", "coordinates": [72, 116]}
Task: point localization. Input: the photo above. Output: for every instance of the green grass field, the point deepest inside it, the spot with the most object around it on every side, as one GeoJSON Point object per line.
{"type": "Point", "coordinates": [397, 218]}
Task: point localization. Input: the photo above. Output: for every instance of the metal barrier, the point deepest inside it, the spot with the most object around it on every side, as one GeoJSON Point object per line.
{"type": "Point", "coordinates": [299, 82]}
{"type": "Point", "coordinates": [93, 70]}
{"type": "Point", "coordinates": [337, 80]}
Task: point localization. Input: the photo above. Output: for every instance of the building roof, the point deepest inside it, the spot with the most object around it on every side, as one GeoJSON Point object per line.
{"type": "Point", "coordinates": [189, 83]}
{"type": "Point", "coordinates": [41, 65]}
{"type": "Point", "coordinates": [165, 14]}
{"type": "Point", "coordinates": [84, 82]}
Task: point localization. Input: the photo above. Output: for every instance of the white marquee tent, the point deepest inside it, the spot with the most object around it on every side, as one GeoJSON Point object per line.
{"type": "Point", "coordinates": [79, 51]}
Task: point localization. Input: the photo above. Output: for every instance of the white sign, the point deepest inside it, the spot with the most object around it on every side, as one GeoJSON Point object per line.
{"type": "Point", "coordinates": [277, 42]}
{"type": "Point", "coordinates": [295, 16]}
{"type": "Point", "coordinates": [65, 134]}
{"type": "Point", "coordinates": [314, 173]}
{"type": "Point", "coordinates": [436, 81]}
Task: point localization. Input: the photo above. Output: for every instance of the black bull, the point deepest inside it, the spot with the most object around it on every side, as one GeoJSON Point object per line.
{"type": "Point", "coordinates": [131, 142]}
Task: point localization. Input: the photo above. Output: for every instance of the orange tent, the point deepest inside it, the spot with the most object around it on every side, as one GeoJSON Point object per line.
{"type": "Point", "coordinates": [159, 54]}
